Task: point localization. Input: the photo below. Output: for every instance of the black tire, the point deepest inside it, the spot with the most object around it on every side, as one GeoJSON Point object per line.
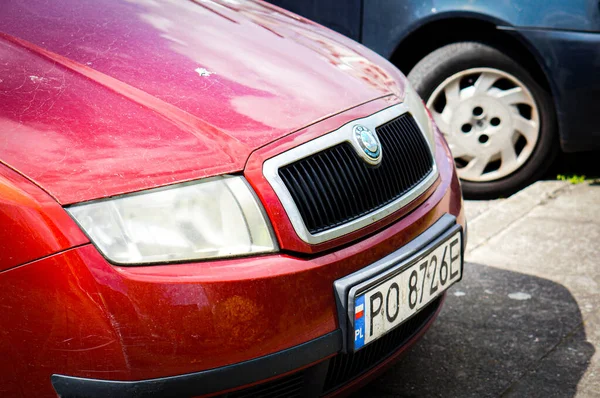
{"type": "Point", "coordinates": [446, 61]}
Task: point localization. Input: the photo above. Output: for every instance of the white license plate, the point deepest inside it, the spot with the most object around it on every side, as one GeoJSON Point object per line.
{"type": "Point", "coordinates": [388, 302]}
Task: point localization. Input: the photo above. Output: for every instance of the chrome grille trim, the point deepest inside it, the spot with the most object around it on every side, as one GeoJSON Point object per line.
{"type": "Point", "coordinates": [342, 134]}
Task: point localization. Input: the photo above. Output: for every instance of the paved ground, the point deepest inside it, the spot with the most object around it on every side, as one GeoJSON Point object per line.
{"type": "Point", "coordinates": [525, 320]}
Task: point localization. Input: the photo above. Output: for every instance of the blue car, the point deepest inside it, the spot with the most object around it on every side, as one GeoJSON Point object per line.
{"type": "Point", "coordinates": [510, 83]}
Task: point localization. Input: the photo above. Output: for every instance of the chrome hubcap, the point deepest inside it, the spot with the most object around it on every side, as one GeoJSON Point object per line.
{"type": "Point", "coordinates": [490, 121]}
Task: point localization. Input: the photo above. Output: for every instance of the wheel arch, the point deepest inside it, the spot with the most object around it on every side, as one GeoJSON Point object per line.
{"type": "Point", "coordinates": [423, 37]}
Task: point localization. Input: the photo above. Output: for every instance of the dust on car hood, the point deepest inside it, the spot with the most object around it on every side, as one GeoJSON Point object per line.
{"type": "Point", "coordinates": [107, 97]}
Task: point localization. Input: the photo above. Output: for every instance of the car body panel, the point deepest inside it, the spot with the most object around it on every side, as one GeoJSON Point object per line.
{"type": "Point", "coordinates": [155, 321]}
{"type": "Point", "coordinates": [563, 36]}
{"type": "Point", "coordinates": [573, 58]}
{"type": "Point", "coordinates": [387, 22]}
{"type": "Point", "coordinates": [32, 224]}
{"type": "Point", "coordinates": [127, 98]}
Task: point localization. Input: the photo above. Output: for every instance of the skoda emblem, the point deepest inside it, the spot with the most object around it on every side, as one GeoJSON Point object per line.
{"type": "Point", "coordinates": [368, 142]}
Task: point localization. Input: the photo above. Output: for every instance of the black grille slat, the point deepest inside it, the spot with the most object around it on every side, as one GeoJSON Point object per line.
{"type": "Point", "coordinates": [325, 185]}
{"type": "Point", "coordinates": [336, 186]}
{"type": "Point", "coordinates": [415, 147]}
{"type": "Point", "coordinates": [411, 171]}
{"type": "Point", "coordinates": [361, 179]}
{"type": "Point", "coordinates": [297, 192]}
{"type": "Point", "coordinates": [289, 386]}
{"type": "Point", "coordinates": [404, 146]}
{"type": "Point", "coordinates": [337, 192]}
{"type": "Point", "coordinates": [395, 183]}
{"type": "Point", "coordinates": [318, 188]}
{"type": "Point", "coordinates": [311, 190]}
{"type": "Point", "coordinates": [343, 173]}
{"type": "Point", "coordinates": [400, 179]}
{"type": "Point", "coordinates": [421, 144]}
{"type": "Point", "coordinates": [356, 202]}
{"type": "Point", "coordinates": [284, 390]}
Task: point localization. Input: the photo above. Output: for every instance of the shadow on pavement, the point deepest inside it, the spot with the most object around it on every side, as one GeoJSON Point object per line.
{"type": "Point", "coordinates": [500, 333]}
{"type": "Point", "coordinates": [582, 163]}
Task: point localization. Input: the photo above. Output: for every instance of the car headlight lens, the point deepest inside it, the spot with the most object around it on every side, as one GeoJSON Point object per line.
{"type": "Point", "coordinates": [212, 218]}
{"type": "Point", "coordinates": [420, 113]}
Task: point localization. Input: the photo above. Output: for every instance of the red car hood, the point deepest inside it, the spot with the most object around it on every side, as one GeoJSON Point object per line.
{"type": "Point", "coordinates": [106, 97]}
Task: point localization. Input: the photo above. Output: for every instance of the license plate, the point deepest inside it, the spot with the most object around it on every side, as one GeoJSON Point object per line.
{"type": "Point", "coordinates": [384, 302]}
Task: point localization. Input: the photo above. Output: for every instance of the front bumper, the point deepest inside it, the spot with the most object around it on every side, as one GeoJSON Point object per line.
{"type": "Point", "coordinates": [304, 371]}
{"type": "Point", "coordinates": [316, 367]}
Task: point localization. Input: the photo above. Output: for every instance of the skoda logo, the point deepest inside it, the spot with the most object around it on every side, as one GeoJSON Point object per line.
{"type": "Point", "coordinates": [368, 142]}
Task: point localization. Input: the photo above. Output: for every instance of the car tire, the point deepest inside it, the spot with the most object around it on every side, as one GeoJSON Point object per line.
{"type": "Point", "coordinates": [471, 66]}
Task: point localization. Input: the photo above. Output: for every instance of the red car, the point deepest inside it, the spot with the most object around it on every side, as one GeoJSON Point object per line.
{"type": "Point", "coordinates": [211, 197]}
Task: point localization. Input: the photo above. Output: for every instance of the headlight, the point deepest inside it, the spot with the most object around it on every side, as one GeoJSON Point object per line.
{"type": "Point", "coordinates": [212, 218]}
{"type": "Point", "coordinates": [420, 113]}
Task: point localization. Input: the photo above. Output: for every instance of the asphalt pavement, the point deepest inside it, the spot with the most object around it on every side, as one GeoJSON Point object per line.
{"type": "Point", "coordinates": [525, 319]}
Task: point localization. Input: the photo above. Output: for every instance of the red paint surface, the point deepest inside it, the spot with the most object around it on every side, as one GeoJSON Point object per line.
{"type": "Point", "coordinates": [75, 314]}
{"type": "Point", "coordinates": [101, 98]}
{"type": "Point", "coordinates": [105, 97]}
{"type": "Point", "coordinates": [32, 224]}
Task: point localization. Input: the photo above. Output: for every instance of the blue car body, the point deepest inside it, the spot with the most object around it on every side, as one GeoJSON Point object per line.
{"type": "Point", "coordinates": [558, 41]}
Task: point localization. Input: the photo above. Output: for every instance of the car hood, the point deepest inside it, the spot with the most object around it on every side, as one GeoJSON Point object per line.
{"type": "Point", "coordinates": [107, 97]}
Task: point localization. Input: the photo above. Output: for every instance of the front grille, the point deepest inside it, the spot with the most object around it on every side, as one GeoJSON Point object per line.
{"type": "Point", "coordinates": [345, 367]}
{"type": "Point", "coordinates": [336, 186]}
{"type": "Point", "coordinates": [291, 386]}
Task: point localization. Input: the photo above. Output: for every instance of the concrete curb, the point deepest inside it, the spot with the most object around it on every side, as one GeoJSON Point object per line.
{"type": "Point", "coordinates": [499, 216]}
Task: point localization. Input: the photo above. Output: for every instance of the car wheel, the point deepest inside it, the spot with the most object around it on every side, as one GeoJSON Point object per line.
{"type": "Point", "coordinates": [499, 122]}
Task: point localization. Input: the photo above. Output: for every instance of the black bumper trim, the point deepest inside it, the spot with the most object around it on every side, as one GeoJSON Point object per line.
{"type": "Point", "coordinates": [208, 381]}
